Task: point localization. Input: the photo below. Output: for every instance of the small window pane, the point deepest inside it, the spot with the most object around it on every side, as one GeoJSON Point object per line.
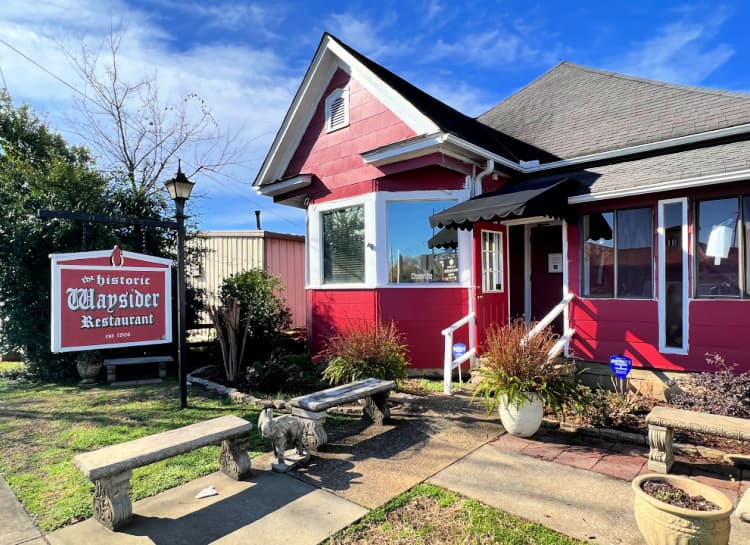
{"type": "Point", "coordinates": [344, 246]}
{"type": "Point", "coordinates": [599, 255]}
{"type": "Point", "coordinates": [492, 261]}
{"type": "Point", "coordinates": [718, 248]}
{"type": "Point", "coordinates": [417, 253]}
{"type": "Point", "coordinates": [634, 243]}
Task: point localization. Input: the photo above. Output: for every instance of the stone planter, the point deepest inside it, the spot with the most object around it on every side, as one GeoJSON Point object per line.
{"type": "Point", "coordinates": [664, 524]}
{"type": "Point", "coordinates": [522, 421]}
{"type": "Point", "coordinates": [89, 364]}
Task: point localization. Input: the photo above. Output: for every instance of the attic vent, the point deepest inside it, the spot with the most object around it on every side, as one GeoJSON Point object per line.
{"type": "Point", "coordinates": [337, 110]}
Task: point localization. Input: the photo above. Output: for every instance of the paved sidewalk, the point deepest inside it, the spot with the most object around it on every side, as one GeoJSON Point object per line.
{"type": "Point", "coordinates": [520, 477]}
{"type": "Point", "coordinates": [578, 486]}
{"type": "Point", "coordinates": [16, 527]}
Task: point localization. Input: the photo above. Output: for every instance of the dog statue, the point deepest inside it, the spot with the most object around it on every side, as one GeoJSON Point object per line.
{"type": "Point", "coordinates": [282, 431]}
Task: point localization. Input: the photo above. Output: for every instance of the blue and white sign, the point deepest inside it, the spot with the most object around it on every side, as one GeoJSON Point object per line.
{"type": "Point", "coordinates": [620, 365]}
{"type": "Point", "coordinates": [459, 349]}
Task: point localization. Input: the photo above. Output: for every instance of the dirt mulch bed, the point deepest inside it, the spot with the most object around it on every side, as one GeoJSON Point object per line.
{"type": "Point", "coordinates": [672, 495]}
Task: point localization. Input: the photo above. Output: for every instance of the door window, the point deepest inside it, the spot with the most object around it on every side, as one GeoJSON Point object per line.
{"type": "Point", "coordinates": [492, 261]}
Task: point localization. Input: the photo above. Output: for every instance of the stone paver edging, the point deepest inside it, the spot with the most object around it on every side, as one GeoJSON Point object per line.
{"type": "Point", "coordinates": [634, 438]}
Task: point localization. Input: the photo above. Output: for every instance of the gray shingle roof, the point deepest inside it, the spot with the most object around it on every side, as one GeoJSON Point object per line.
{"type": "Point", "coordinates": [574, 110]}
{"type": "Point", "coordinates": [669, 167]}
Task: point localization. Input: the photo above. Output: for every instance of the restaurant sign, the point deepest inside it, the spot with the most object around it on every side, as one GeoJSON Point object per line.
{"type": "Point", "coordinates": [109, 299]}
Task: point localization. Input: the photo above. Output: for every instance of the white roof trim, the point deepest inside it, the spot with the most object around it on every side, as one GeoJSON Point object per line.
{"type": "Point", "coordinates": [298, 182]}
{"type": "Point", "coordinates": [651, 146]}
{"type": "Point", "coordinates": [329, 57]}
{"type": "Point", "coordinates": [685, 183]}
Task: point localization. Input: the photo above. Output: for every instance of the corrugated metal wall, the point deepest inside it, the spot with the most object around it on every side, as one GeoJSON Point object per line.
{"type": "Point", "coordinates": [230, 252]}
{"type": "Point", "coordinates": [285, 257]}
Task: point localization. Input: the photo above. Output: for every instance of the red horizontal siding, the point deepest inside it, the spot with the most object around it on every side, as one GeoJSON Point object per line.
{"type": "Point", "coordinates": [334, 157]}
{"type": "Point", "coordinates": [419, 313]}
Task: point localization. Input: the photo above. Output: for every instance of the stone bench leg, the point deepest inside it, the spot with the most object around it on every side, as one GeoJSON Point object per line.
{"type": "Point", "coordinates": [234, 460]}
{"type": "Point", "coordinates": [314, 434]}
{"type": "Point", "coordinates": [112, 505]}
{"type": "Point", "coordinates": [162, 369]}
{"type": "Point", "coordinates": [376, 408]}
{"type": "Point", "coordinates": [660, 454]}
{"type": "Point", "coordinates": [110, 373]}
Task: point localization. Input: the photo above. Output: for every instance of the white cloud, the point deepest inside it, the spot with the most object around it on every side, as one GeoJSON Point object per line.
{"type": "Point", "coordinates": [680, 52]}
{"type": "Point", "coordinates": [365, 35]}
{"type": "Point", "coordinates": [248, 90]}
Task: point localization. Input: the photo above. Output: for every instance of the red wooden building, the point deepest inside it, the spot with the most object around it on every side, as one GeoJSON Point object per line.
{"type": "Point", "coordinates": [621, 202]}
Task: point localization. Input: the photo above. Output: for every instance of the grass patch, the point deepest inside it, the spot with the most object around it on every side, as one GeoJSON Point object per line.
{"type": "Point", "coordinates": [427, 514]}
{"type": "Point", "coordinates": [12, 368]}
{"type": "Point", "coordinates": [426, 386]}
{"type": "Point", "coordinates": [44, 426]}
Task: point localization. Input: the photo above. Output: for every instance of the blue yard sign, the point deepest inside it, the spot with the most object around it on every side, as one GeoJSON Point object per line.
{"type": "Point", "coordinates": [620, 365]}
{"type": "Point", "coordinates": [459, 349]}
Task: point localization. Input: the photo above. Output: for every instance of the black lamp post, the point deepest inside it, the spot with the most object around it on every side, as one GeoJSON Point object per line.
{"type": "Point", "coordinates": [179, 189]}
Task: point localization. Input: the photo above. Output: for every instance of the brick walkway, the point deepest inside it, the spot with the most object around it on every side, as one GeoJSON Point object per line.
{"type": "Point", "coordinates": [622, 460]}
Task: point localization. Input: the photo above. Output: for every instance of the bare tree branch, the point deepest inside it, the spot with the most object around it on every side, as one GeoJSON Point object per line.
{"type": "Point", "coordinates": [133, 131]}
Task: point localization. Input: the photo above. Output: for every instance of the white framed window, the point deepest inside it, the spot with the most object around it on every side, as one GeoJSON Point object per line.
{"type": "Point", "coordinates": [618, 254]}
{"type": "Point", "coordinates": [418, 253]}
{"type": "Point", "coordinates": [337, 110]}
{"type": "Point", "coordinates": [673, 276]}
{"type": "Point", "coordinates": [344, 245]}
{"type": "Point", "coordinates": [492, 261]}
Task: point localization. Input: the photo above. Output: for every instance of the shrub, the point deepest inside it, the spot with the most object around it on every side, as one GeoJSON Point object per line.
{"type": "Point", "coordinates": [262, 309]}
{"type": "Point", "coordinates": [718, 392]}
{"type": "Point", "coordinates": [285, 372]}
{"type": "Point", "coordinates": [613, 409]}
{"type": "Point", "coordinates": [517, 367]}
{"type": "Point", "coordinates": [366, 350]}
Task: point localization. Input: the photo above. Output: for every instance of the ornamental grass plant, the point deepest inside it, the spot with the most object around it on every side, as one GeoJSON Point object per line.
{"type": "Point", "coordinates": [366, 350]}
{"type": "Point", "coordinates": [516, 366]}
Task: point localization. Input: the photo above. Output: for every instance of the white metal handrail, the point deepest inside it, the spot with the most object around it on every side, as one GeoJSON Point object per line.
{"type": "Point", "coordinates": [449, 364]}
{"type": "Point", "coordinates": [562, 344]}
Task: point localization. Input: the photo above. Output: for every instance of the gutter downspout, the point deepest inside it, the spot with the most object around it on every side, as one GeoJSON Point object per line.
{"type": "Point", "coordinates": [475, 186]}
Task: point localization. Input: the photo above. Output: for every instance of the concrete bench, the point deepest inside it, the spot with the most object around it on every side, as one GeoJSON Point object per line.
{"type": "Point", "coordinates": [111, 363]}
{"type": "Point", "coordinates": [662, 421]}
{"type": "Point", "coordinates": [311, 408]}
{"type": "Point", "coordinates": [110, 467]}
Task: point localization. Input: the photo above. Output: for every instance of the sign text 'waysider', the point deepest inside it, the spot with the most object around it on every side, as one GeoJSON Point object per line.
{"type": "Point", "coordinates": [109, 298]}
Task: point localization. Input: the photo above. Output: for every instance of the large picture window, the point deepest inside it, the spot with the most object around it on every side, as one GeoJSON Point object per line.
{"type": "Point", "coordinates": [417, 253]}
{"type": "Point", "coordinates": [344, 245]}
{"type": "Point", "coordinates": [722, 256]}
{"type": "Point", "coordinates": [618, 258]}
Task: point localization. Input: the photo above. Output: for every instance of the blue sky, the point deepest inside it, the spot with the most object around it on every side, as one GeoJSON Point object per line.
{"type": "Point", "coordinates": [247, 59]}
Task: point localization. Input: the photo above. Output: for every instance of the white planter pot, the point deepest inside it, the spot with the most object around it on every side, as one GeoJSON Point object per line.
{"type": "Point", "coordinates": [523, 421]}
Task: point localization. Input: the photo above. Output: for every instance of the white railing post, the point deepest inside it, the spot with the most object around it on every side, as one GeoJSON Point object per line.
{"type": "Point", "coordinates": [447, 361]}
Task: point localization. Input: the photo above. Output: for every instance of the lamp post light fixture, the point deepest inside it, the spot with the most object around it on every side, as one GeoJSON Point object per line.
{"type": "Point", "coordinates": [179, 189]}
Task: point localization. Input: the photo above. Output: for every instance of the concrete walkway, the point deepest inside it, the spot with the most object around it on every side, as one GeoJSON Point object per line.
{"type": "Point", "coordinates": [16, 527]}
{"type": "Point", "coordinates": [578, 486]}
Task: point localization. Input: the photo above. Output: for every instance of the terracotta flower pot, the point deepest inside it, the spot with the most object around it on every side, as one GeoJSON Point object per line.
{"type": "Point", "coordinates": [521, 420]}
{"type": "Point", "coordinates": [665, 524]}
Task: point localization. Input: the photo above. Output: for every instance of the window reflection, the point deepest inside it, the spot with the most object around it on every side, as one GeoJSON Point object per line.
{"type": "Point", "coordinates": [718, 248]}
{"type": "Point", "coordinates": [418, 253]}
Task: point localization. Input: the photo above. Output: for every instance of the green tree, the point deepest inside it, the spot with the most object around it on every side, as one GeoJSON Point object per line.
{"type": "Point", "coordinates": [39, 170]}
{"type": "Point", "coordinates": [262, 309]}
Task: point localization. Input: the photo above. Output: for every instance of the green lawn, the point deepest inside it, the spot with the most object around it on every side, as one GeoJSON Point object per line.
{"type": "Point", "coordinates": [427, 514]}
{"type": "Point", "coordinates": [43, 426]}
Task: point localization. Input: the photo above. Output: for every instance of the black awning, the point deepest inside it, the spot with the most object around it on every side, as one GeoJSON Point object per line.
{"type": "Point", "coordinates": [445, 238]}
{"type": "Point", "coordinates": [541, 197]}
